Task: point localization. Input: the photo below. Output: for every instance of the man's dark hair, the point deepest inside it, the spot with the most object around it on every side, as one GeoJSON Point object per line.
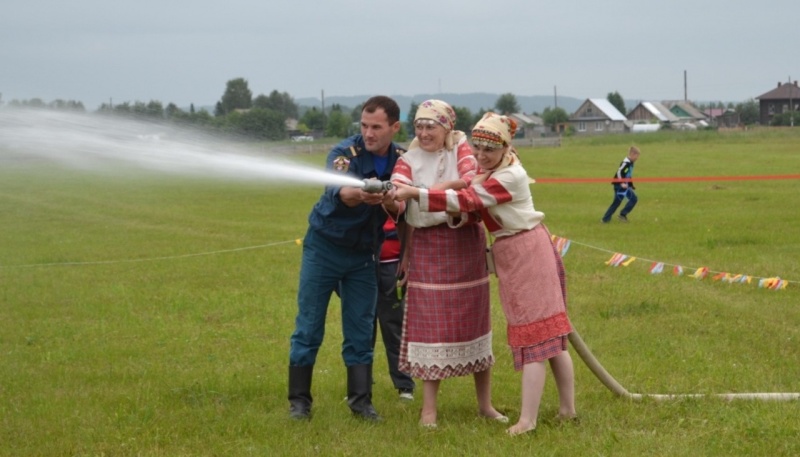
{"type": "Point", "coordinates": [388, 106]}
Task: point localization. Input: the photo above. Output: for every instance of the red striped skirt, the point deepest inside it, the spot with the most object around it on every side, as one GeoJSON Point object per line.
{"type": "Point", "coordinates": [533, 295]}
{"type": "Point", "coordinates": [447, 328]}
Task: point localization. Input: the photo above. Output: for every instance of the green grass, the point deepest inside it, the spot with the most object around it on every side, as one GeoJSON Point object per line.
{"type": "Point", "coordinates": [116, 339]}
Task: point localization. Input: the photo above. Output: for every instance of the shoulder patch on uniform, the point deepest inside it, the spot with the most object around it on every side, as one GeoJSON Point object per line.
{"type": "Point", "coordinates": [341, 164]}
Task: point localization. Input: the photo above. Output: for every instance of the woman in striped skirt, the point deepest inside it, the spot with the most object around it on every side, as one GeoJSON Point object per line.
{"type": "Point", "coordinates": [529, 270]}
{"type": "Point", "coordinates": [447, 327]}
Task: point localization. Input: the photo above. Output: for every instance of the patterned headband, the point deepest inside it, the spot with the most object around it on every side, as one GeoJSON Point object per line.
{"type": "Point", "coordinates": [494, 131]}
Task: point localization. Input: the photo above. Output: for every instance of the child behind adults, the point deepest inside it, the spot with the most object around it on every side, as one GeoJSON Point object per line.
{"type": "Point", "coordinates": [530, 273]}
{"type": "Point", "coordinates": [390, 307]}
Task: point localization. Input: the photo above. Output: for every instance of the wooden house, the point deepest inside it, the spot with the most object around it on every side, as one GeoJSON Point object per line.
{"type": "Point", "coordinates": [652, 113]}
{"type": "Point", "coordinates": [782, 99]}
{"type": "Point", "coordinates": [597, 116]}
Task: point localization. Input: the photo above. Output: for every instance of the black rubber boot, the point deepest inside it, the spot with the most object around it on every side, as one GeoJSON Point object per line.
{"type": "Point", "coordinates": [359, 392]}
{"type": "Point", "coordinates": [300, 392]}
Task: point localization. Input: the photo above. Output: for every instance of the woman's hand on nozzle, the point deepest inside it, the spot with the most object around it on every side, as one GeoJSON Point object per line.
{"type": "Point", "coordinates": [403, 192]}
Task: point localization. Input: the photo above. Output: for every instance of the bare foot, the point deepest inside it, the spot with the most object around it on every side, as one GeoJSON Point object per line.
{"type": "Point", "coordinates": [567, 419]}
{"type": "Point", "coordinates": [567, 414]}
{"type": "Point", "coordinates": [427, 419]}
{"type": "Point", "coordinates": [523, 426]}
{"type": "Point", "coordinates": [494, 415]}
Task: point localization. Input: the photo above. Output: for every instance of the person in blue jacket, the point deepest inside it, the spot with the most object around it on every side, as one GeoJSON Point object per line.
{"type": "Point", "coordinates": [623, 188]}
{"type": "Point", "coordinates": [340, 252]}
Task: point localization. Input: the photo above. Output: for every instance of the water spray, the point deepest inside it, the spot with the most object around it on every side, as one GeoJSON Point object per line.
{"type": "Point", "coordinates": [101, 143]}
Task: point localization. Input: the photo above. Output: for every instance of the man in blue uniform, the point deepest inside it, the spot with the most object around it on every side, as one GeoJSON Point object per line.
{"type": "Point", "coordinates": [623, 188]}
{"type": "Point", "coordinates": [340, 252]}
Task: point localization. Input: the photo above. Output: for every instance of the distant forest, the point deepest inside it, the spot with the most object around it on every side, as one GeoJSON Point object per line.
{"type": "Point", "coordinates": [278, 116]}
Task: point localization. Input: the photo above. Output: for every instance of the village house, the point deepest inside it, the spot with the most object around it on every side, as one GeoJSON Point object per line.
{"type": "Point", "coordinates": [528, 125]}
{"type": "Point", "coordinates": [651, 114]}
{"type": "Point", "coordinates": [686, 112]}
{"type": "Point", "coordinates": [597, 116]}
{"type": "Point", "coordinates": [689, 116]}
{"type": "Point", "coordinates": [722, 117]}
{"type": "Point", "coordinates": [782, 99]}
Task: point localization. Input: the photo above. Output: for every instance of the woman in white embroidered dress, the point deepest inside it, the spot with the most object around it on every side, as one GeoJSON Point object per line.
{"type": "Point", "coordinates": [447, 326]}
{"type": "Point", "coordinates": [530, 273]}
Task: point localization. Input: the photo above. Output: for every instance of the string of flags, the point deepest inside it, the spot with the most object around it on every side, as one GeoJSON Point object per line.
{"type": "Point", "coordinates": [619, 259]}
{"type": "Point", "coordinates": [561, 244]}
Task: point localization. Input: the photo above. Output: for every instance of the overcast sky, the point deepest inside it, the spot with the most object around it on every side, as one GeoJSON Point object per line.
{"type": "Point", "coordinates": [184, 52]}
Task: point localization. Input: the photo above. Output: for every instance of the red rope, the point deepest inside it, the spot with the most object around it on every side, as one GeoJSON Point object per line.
{"type": "Point", "coordinates": [667, 179]}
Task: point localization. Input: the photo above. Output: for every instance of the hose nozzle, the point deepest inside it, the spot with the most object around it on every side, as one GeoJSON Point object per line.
{"type": "Point", "coordinates": [374, 186]}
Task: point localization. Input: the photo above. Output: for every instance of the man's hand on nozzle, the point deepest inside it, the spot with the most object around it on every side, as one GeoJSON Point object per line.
{"type": "Point", "coordinates": [354, 196]}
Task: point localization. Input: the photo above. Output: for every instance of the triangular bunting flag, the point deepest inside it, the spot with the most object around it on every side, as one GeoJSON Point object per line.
{"type": "Point", "coordinates": [701, 273]}
{"type": "Point", "coordinates": [561, 245]}
{"type": "Point", "coordinates": [773, 283]}
{"type": "Point", "coordinates": [614, 259]}
{"type": "Point", "coordinates": [565, 248]}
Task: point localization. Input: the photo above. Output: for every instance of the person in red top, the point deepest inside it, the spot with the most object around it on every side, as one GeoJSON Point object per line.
{"type": "Point", "coordinates": [390, 309]}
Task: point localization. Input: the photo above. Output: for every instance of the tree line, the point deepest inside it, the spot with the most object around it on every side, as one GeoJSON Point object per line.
{"type": "Point", "coordinates": [264, 117]}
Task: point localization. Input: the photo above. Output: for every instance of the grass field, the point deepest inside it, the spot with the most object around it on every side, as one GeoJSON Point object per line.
{"type": "Point", "coordinates": [150, 315]}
